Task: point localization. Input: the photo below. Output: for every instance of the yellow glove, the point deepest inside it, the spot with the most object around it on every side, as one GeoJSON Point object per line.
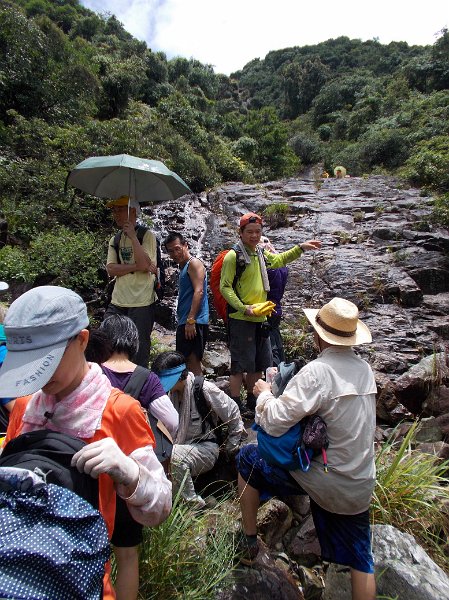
{"type": "Point", "coordinates": [263, 309]}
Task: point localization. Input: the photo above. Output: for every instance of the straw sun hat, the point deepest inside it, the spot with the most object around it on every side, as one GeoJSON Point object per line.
{"type": "Point", "coordinates": [338, 323]}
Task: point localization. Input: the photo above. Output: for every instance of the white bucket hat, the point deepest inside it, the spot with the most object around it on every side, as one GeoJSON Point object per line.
{"type": "Point", "coordinates": [38, 326]}
{"type": "Point", "coordinates": [338, 323]}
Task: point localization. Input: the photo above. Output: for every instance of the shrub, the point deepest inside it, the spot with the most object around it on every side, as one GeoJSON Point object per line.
{"type": "Point", "coordinates": [296, 339]}
{"type": "Point", "coordinates": [245, 148]}
{"type": "Point", "coordinates": [65, 258]}
{"type": "Point", "coordinates": [410, 490]}
{"type": "Point", "coordinates": [306, 148]}
{"type": "Point", "coordinates": [384, 147]}
{"type": "Point", "coordinates": [429, 164]}
{"type": "Point", "coordinates": [276, 215]}
{"type": "Point", "coordinates": [440, 213]}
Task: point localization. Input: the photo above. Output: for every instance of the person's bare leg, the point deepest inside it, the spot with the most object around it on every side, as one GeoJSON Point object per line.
{"type": "Point", "coordinates": [249, 504]}
{"type": "Point", "coordinates": [251, 379]}
{"type": "Point", "coordinates": [193, 364]}
{"type": "Point", "coordinates": [363, 585]}
{"type": "Point", "coordinates": [127, 581]}
{"type": "Point", "coordinates": [235, 383]}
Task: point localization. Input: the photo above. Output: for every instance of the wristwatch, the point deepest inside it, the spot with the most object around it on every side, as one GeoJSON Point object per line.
{"type": "Point", "coordinates": [190, 321]}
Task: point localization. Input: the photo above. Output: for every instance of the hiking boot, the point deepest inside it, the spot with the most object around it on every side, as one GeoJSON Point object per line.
{"type": "Point", "coordinates": [247, 553]}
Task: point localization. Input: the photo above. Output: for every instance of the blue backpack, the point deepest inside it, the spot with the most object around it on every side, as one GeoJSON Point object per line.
{"type": "Point", "coordinates": [53, 542]}
{"type": "Point", "coordinates": [294, 449]}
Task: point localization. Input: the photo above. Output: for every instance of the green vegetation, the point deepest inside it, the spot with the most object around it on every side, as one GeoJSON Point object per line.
{"type": "Point", "coordinates": [298, 342]}
{"type": "Point", "coordinates": [410, 492]}
{"type": "Point", "coordinates": [54, 257]}
{"type": "Point", "coordinates": [276, 215]}
{"type": "Point", "coordinates": [157, 346]}
{"type": "Point", "coordinates": [189, 555]}
{"type": "Point", "coordinates": [75, 84]}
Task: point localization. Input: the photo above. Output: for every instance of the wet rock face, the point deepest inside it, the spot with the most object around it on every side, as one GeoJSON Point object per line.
{"type": "Point", "coordinates": [380, 251]}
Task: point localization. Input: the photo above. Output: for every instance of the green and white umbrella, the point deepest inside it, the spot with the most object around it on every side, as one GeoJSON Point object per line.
{"type": "Point", "coordinates": [144, 181]}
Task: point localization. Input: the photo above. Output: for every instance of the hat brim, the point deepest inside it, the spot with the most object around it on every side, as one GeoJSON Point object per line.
{"type": "Point", "coordinates": [117, 202]}
{"type": "Point", "coordinates": [25, 372]}
{"type": "Point", "coordinates": [361, 336]}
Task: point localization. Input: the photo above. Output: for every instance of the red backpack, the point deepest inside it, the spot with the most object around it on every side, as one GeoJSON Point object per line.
{"type": "Point", "coordinates": [220, 304]}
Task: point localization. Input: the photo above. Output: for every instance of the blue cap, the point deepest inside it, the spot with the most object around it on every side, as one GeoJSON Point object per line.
{"type": "Point", "coordinates": [170, 377]}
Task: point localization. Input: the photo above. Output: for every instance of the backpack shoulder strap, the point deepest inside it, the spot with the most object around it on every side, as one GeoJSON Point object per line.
{"type": "Point", "coordinates": [136, 382]}
{"type": "Point", "coordinates": [116, 244]}
{"type": "Point", "coordinates": [140, 232]}
{"type": "Point", "coordinates": [201, 402]}
{"type": "Point", "coordinates": [240, 266]}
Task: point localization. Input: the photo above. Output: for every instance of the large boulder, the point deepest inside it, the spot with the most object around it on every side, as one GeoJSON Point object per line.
{"type": "Point", "coordinates": [404, 569]}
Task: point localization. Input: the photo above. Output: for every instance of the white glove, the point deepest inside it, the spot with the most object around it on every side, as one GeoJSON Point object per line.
{"type": "Point", "coordinates": [105, 456]}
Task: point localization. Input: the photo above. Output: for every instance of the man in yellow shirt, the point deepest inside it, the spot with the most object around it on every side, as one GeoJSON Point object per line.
{"type": "Point", "coordinates": [248, 334]}
{"type": "Point", "coordinates": [134, 267]}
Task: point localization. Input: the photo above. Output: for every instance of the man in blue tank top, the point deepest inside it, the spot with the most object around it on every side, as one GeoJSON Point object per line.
{"type": "Point", "coordinates": [193, 306]}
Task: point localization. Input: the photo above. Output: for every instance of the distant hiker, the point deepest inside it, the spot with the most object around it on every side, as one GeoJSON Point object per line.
{"type": "Point", "coordinates": [340, 172]}
{"type": "Point", "coordinates": [134, 267]}
{"type": "Point", "coordinates": [340, 388]}
{"type": "Point", "coordinates": [248, 332]}
{"type": "Point", "coordinates": [193, 306]}
{"type": "Point", "coordinates": [46, 337]}
{"type": "Point", "coordinates": [127, 376]}
{"type": "Point", "coordinates": [278, 280]}
{"type": "Point", "coordinates": [202, 407]}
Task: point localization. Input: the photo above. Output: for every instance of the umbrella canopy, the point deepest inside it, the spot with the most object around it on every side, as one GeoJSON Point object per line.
{"type": "Point", "coordinates": [124, 175]}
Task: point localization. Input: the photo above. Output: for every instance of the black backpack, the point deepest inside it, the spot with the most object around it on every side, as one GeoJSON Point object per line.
{"type": "Point", "coordinates": [164, 445]}
{"type": "Point", "coordinates": [159, 284]}
{"type": "Point", "coordinates": [218, 428]}
{"type": "Point", "coordinates": [48, 454]}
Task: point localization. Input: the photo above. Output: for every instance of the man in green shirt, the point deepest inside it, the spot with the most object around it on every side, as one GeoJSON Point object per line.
{"type": "Point", "coordinates": [249, 341]}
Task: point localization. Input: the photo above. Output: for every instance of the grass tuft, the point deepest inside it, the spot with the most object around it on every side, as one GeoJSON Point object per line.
{"type": "Point", "coordinates": [189, 555]}
{"type": "Point", "coordinates": [411, 491]}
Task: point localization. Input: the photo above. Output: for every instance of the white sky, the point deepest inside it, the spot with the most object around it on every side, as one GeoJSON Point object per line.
{"type": "Point", "coordinates": [228, 34]}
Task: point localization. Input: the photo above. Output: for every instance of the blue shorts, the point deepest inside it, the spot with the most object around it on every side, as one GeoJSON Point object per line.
{"type": "Point", "coordinates": [344, 539]}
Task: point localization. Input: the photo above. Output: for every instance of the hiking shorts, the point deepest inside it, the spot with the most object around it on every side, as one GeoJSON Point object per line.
{"type": "Point", "coordinates": [194, 346]}
{"type": "Point", "coordinates": [250, 347]}
{"type": "Point", "coordinates": [127, 532]}
{"type": "Point", "coordinates": [344, 539]}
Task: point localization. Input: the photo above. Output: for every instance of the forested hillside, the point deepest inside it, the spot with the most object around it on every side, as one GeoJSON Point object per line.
{"type": "Point", "coordinates": [75, 84]}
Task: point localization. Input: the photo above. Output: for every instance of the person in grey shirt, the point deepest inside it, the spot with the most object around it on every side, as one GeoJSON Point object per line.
{"type": "Point", "coordinates": [339, 387]}
{"type": "Point", "coordinates": [196, 445]}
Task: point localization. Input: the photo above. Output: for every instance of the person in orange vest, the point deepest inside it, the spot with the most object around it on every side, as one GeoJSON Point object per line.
{"type": "Point", "coordinates": [46, 336]}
